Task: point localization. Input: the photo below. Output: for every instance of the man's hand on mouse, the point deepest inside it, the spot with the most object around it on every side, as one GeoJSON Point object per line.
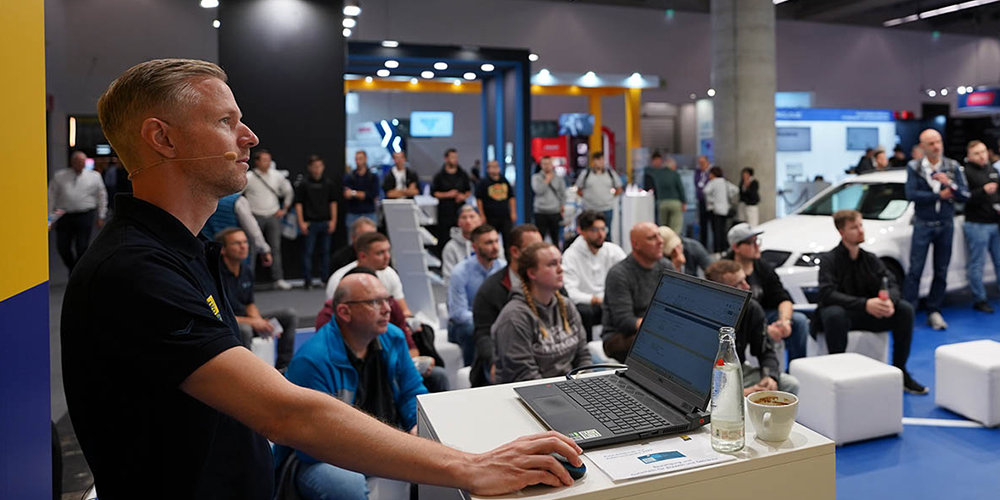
{"type": "Point", "coordinates": [523, 462]}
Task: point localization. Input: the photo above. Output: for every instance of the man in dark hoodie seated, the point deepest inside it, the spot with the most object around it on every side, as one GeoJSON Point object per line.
{"type": "Point", "coordinates": [753, 331]}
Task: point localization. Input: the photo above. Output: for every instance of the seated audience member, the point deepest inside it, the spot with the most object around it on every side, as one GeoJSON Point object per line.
{"type": "Point", "coordinates": [586, 264]}
{"type": "Point", "coordinates": [490, 300]}
{"type": "Point", "coordinates": [466, 279]}
{"type": "Point", "coordinates": [538, 334]}
{"type": "Point", "coordinates": [346, 254]}
{"type": "Point", "coordinates": [237, 278]}
{"type": "Point", "coordinates": [792, 327]}
{"type": "Point", "coordinates": [234, 211]}
{"type": "Point", "coordinates": [753, 330]}
{"type": "Point", "coordinates": [361, 359]}
{"type": "Point", "coordinates": [435, 378]}
{"type": "Point", "coordinates": [373, 253]}
{"type": "Point", "coordinates": [686, 255]}
{"type": "Point", "coordinates": [850, 279]}
{"type": "Point", "coordinates": [460, 245]}
{"type": "Point", "coordinates": [629, 288]}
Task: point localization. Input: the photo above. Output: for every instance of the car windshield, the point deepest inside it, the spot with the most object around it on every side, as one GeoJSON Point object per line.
{"type": "Point", "coordinates": [878, 201]}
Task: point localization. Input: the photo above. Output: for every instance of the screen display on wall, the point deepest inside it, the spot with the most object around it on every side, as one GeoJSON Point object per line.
{"type": "Point", "coordinates": [862, 138]}
{"type": "Point", "coordinates": [431, 124]}
{"type": "Point", "coordinates": [794, 139]}
{"type": "Point", "coordinates": [576, 124]}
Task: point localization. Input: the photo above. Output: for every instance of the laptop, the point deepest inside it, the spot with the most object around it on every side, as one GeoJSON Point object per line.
{"type": "Point", "coordinates": [667, 386]}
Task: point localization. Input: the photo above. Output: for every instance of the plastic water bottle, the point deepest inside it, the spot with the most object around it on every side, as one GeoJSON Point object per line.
{"type": "Point", "coordinates": [728, 425]}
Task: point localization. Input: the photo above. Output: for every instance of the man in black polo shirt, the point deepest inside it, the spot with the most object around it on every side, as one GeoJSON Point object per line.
{"type": "Point", "coordinates": [160, 390]}
{"type": "Point", "coordinates": [316, 208]}
{"type": "Point", "coordinates": [237, 279]}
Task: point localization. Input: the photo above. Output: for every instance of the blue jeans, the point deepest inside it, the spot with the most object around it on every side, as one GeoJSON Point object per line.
{"type": "Point", "coordinates": [926, 234]}
{"type": "Point", "coordinates": [317, 232]}
{"type": "Point", "coordinates": [321, 481]}
{"type": "Point", "coordinates": [437, 380]}
{"type": "Point", "coordinates": [609, 215]}
{"type": "Point", "coordinates": [981, 238]}
{"type": "Point", "coordinates": [350, 218]}
{"type": "Point", "coordinates": [462, 334]}
{"type": "Point", "coordinates": [795, 344]}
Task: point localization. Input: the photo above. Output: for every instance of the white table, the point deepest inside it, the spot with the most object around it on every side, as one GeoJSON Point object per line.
{"type": "Point", "coordinates": [478, 420]}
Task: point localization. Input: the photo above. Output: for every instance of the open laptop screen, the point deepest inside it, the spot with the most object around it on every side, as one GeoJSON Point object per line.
{"type": "Point", "coordinates": [679, 337]}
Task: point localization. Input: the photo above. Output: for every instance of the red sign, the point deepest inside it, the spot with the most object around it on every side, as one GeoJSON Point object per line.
{"type": "Point", "coordinates": [985, 98]}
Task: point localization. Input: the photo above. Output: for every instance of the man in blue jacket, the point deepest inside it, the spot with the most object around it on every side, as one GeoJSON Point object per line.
{"type": "Point", "coordinates": [934, 184]}
{"type": "Point", "coordinates": [361, 359]}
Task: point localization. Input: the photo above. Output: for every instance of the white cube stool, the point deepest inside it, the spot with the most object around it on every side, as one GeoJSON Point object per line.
{"type": "Point", "coordinates": [967, 380]}
{"type": "Point", "coordinates": [597, 356]}
{"type": "Point", "coordinates": [849, 397]}
{"type": "Point", "coordinates": [265, 349]}
{"type": "Point", "coordinates": [462, 380]}
{"type": "Point", "coordinates": [875, 345]}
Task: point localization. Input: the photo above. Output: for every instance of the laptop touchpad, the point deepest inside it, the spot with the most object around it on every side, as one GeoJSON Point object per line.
{"type": "Point", "coordinates": [551, 405]}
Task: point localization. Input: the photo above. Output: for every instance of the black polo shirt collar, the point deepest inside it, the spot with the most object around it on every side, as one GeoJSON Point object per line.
{"type": "Point", "coordinates": [160, 224]}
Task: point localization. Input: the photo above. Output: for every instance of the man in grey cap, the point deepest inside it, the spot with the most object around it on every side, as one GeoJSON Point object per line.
{"type": "Point", "coordinates": [792, 327]}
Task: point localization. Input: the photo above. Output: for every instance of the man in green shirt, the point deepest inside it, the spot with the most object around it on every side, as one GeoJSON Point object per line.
{"type": "Point", "coordinates": [662, 177]}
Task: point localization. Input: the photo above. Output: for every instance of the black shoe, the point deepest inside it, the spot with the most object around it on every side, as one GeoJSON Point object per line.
{"type": "Point", "coordinates": [309, 285]}
{"type": "Point", "coordinates": [983, 307]}
{"type": "Point", "coordinates": [912, 386]}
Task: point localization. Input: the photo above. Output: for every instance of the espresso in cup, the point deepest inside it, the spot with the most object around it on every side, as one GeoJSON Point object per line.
{"type": "Point", "coordinates": [772, 414]}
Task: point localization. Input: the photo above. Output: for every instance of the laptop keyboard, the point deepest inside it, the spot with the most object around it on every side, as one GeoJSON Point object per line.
{"type": "Point", "coordinates": [611, 406]}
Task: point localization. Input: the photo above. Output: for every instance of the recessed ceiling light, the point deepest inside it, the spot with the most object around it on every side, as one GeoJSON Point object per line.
{"type": "Point", "coordinates": [440, 66]}
{"type": "Point", "coordinates": [390, 44]}
{"type": "Point", "coordinates": [960, 90]}
{"type": "Point", "coordinates": [349, 22]}
{"type": "Point", "coordinates": [457, 82]}
{"type": "Point", "coordinates": [382, 73]}
{"type": "Point", "coordinates": [347, 32]}
{"type": "Point", "coordinates": [469, 76]}
{"type": "Point", "coordinates": [487, 67]}
{"type": "Point", "coordinates": [414, 81]}
{"type": "Point", "coordinates": [693, 96]}
{"type": "Point", "coordinates": [427, 74]}
{"type": "Point", "coordinates": [532, 57]}
{"type": "Point", "coordinates": [544, 73]}
{"type": "Point", "coordinates": [711, 92]}
{"type": "Point", "coordinates": [392, 64]}
{"type": "Point", "coordinates": [216, 24]}
{"type": "Point", "coordinates": [352, 10]}
{"type": "Point", "coordinates": [209, 4]}
{"type": "Point", "coordinates": [369, 79]}
{"type": "Point", "coordinates": [931, 93]}
{"type": "Point", "coordinates": [944, 91]}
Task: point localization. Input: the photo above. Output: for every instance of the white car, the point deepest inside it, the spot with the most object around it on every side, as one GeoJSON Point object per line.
{"type": "Point", "coordinates": [793, 243]}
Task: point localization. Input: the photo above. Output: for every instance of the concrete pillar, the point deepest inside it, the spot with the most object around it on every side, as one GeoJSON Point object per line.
{"type": "Point", "coordinates": [743, 76]}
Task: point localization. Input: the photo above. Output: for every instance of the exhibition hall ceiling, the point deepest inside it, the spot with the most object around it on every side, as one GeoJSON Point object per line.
{"type": "Point", "coordinates": [976, 17]}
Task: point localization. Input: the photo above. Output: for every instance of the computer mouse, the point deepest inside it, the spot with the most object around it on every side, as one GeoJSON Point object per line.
{"type": "Point", "coordinates": [574, 471]}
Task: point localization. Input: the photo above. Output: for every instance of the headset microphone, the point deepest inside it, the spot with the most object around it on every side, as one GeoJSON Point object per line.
{"type": "Point", "coordinates": [228, 155]}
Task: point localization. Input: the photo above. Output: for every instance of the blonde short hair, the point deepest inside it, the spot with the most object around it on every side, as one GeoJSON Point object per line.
{"type": "Point", "coordinates": [159, 84]}
{"type": "Point", "coordinates": [670, 240]}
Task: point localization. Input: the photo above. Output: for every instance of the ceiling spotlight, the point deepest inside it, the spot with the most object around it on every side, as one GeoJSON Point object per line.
{"type": "Point", "coordinates": [532, 57]}
{"type": "Point", "coordinates": [469, 76]}
{"type": "Point", "coordinates": [390, 44]}
{"type": "Point", "coordinates": [414, 81]}
{"type": "Point", "coordinates": [457, 82]}
{"type": "Point", "coordinates": [969, 89]}
{"type": "Point", "coordinates": [369, 79]}
{"type": "Point", "coordinates": [209, 4]}
{"type": "Point", "coordinates": [427, 74]}
{"type": "Point", "coordinates": [395, 122]}
{"type": "Point", "coordinates": [350, 22]}
{"type": "Point", "coordinates": [711, 92]}
{"type": "Point", "coordinates": [487, 67]}
{"type": "Point", "coordinates": [216, 24]}
{"type": "Point", "coordinates": [636, 75]}
{"type": "Point", "coordinates": [382, 73]}
{"type": "Point", "coordinates": [931, 93]}
{"type": "Point", "coordinates": [544, 73]}
{"type": "Point", "coordinates": [960, 90]}
{"type": "Point", "coordinates": [352, 10]}
{"type": "Point", "coordinates": [440, 66]}
{"type": "Point", "coordinates": [590, 74]}
{"type": "Point", "coordinates": [392, 64]}
{"type": "Point", "coordinates": [347, 32]}
{"type": "Point", "coordinates": [693, 96]}
{"type": "Point", "coordinates": [944, 91]}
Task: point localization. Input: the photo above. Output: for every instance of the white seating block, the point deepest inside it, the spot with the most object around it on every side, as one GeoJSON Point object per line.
{"type": "Point", "coordinates": [967, 380]}
{"type": "Point", "coordinates": [849, 397]}
{"type": "Point", "coordinates": [875, 345]}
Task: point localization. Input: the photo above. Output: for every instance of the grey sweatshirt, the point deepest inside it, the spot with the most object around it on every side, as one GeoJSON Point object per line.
{"type": "Point", "coordinates": [627, 291]}
{"type": "Point", "coordinates": [521, 351]}
{"type": "Point", "coordinates": [548, 200]}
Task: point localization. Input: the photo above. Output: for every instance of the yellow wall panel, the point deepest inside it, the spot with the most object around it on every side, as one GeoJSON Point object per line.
{"type": "Point", "coordinates": [24, 251]}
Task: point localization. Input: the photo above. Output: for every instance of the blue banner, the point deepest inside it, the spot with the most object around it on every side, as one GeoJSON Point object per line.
{"type": "Point", "coordinates": [833, 115]}
{"type": "Point", "coordinates": [981, 99]}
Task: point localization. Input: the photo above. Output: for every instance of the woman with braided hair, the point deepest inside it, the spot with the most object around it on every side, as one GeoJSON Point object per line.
{"type": "Point", "coordinates": [539, 333]}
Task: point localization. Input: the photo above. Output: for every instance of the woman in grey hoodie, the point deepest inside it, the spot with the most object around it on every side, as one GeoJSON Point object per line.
{"type": "Point", "coordinates": [539, 333]}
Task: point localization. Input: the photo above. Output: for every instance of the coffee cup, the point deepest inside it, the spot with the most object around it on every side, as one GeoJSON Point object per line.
{"type": "Point", "coordinates": [422, 363]}
{"type": "Point", "coordinates": [772, 414]}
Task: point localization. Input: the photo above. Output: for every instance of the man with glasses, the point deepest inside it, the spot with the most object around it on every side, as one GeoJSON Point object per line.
{"type": "Point", "coordinates": [790, 327]}
{"type": "Point", "coordinates": [363, 360]}
{"type": "Point", "coordinates": [373, 253]}
{"type": "Point", "coordinates": [586, 263]}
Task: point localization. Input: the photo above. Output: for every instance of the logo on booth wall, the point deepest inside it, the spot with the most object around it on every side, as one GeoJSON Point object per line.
{"type": "Point", "coordinates": [980, 99]}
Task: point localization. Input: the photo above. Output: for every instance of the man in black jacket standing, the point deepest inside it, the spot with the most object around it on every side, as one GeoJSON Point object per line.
{"type": "Point", "coordinates": [982, 213]}
{"type": "Point", "coordinates": [851, 281]}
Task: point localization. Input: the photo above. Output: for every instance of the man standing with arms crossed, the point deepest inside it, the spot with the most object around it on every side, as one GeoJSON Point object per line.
{"type": "Point", "coordinates": [982, 214]}
{"type": "Point", "coordinates": [207, 405]}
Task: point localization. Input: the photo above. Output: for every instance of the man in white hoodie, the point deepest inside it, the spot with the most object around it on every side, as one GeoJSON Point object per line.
{"type": "Point", "coordinates": [585, 266]}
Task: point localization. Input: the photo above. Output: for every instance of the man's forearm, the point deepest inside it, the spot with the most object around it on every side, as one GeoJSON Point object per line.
{"type": "Point", "coordinates": [785, 310]}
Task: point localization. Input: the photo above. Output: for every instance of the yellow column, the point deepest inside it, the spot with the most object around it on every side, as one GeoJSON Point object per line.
{"type": "Point", "coordinates": [596, 138]}
{"type": "Point", "coordinates": [633, 125]}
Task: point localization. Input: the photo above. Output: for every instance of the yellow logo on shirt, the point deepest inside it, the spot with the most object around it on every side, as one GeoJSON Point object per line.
{"type": "Point", "coordinates": [213, 307]}
{"type": "Point", "coordinates": [498, 191]}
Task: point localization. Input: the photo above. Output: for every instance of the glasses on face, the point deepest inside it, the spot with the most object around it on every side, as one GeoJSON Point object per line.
{"type": "Point", "coordinates": [376, 303]}
{"type": "Point", "coordinates": [753, 241]}
{"type": "Point", "coordinates": [597, 229]}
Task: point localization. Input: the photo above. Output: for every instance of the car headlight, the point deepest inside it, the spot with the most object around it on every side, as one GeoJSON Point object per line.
{"type": "Point", "coordinates": [808, 260]}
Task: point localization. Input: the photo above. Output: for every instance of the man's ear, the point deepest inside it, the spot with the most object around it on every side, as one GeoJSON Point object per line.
{"type": "Point", "coordinates": [342, 311]}
{"type": "Point", "coordinates": [156, 134]}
